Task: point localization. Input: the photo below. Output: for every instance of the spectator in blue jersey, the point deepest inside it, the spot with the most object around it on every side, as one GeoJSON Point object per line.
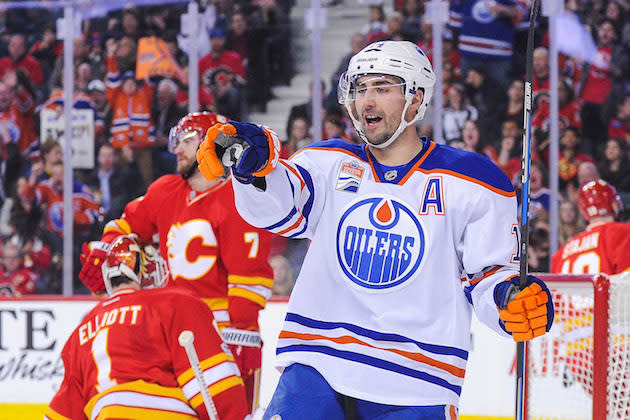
{"type": "Point", "coordinates": [408, 237]}
{"type": "Point", "coordinates": [486, 35]}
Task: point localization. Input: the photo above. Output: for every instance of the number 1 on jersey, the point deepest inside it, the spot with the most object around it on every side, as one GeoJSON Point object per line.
{"type": "Point", "coordinates": [102, 361]}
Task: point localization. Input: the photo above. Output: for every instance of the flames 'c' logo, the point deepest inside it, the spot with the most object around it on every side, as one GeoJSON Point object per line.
{"type": "Point", "coordinates": [192, 249]}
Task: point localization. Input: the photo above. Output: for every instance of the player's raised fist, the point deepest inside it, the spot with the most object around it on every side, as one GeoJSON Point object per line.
{"type": "Point", "coordinates": [250, 150]}
{"type": "Point", "coordinates": [526, 313]}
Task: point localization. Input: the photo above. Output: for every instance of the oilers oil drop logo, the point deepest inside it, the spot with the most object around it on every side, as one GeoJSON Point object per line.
{"type": "Point", "coordinates": [380, 242]}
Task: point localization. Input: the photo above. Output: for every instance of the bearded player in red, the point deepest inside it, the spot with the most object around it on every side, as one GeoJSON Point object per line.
{"type": "Point", "coordinates": [211, 251]}
{"type": "Point", "coordinates": [124, 361]}
{"type": "Point", "coordinates": [604, 247]}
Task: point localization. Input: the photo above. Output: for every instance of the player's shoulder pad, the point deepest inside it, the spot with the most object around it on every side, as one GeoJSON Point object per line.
{"type": "Point", "coordinates": [337, 145]}
{"type": "Point", "coordinates": [468, 166]}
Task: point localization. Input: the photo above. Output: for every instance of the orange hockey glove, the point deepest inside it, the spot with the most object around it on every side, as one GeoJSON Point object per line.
{"type": "Point", "coordinates": [526, 313]}
{"type": "Point", "coordinates": [250, 150]}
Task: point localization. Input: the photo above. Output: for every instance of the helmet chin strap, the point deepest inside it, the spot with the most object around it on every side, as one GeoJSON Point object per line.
{"type": "Point", "coordinates": [401, 127]}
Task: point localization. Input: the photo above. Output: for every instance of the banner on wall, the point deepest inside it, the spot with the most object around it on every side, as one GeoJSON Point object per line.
{"type": "Point", "coordinates": [52, 128]}
{"type": "Point", "coordinates": [33, 333]}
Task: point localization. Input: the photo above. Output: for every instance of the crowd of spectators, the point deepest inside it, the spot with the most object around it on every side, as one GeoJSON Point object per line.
{"type": "Point", "coordinates": [245, 49]}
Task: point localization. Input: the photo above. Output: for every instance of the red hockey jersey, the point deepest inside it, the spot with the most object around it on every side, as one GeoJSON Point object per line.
{"type": "Point", "coordinates": [124, 361]}
{"type": "Point", "coordinates": [210, 249]}
{"type": "Point", "coordinates": [601, 249]}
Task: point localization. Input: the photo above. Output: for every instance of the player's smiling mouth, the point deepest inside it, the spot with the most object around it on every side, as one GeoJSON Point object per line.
{"type": "Point", "coordinates": [372, 120]}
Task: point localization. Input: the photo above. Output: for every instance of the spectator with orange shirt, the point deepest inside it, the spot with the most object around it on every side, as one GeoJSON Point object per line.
{"type": "Point", "coordinates": [15, 279]}
{"type": "Point", "coordinates": [131, 101]}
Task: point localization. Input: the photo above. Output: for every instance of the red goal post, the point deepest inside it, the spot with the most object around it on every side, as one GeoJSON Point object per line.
{"type": "Point", "coordinates": [581, 368]}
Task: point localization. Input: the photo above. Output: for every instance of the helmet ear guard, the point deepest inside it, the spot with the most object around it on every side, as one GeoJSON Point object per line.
{"type": "Point", "coordinates": [401, 59]}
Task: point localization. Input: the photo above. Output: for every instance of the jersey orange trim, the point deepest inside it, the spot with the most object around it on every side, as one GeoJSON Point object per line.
{"type": "Point", "coordinates": [205, 364]}
{"type": "Point", "coordinates": [453, 370]}
{"type": "Point", "coordinates": [53, 415]}
{"type": "Point", "coordinates": [471, 179]}
{"type": "Point", "coordinates": [126, 412]}
{"type": "Point", "coordinates": [294, 172]}
{"type": "Point", "coordinates": [488, 274]}
{"type": "Point", "coordinates": [250, 280]}
{"type": "Point", "coordinates": [417, 165]}
{"type": "Point", "coordinates": [247, 294]}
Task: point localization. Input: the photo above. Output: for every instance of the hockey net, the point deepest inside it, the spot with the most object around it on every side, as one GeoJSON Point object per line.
{"type": "Point", "coordinates": [580, 370]}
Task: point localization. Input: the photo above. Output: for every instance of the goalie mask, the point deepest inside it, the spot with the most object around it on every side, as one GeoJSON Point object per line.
{"type": "Point", "coordinates": [597, 199]}
{"type": "Point", "coordinates": [129, 257]}
{"type": "Point", "coordinates": [401, 59]}
{"type": "Point", "coordinates": [194, 125]}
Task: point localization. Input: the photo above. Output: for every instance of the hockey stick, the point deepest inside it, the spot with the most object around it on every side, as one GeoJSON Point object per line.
{"type": "Point", "coordinates": [186, 339]}
{"type": "Point", "coordinates": [521, 348]}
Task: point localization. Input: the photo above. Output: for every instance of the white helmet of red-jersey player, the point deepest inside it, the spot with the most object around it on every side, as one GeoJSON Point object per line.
{"type": "Point", "coordinates": [597, 199]}
{"type": "Point", "coordinates": [402, 59]}
{"type": "Point", "coordinates": [129, 257]}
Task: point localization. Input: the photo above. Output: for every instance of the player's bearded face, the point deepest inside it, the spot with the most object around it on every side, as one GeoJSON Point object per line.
{"type": "Point", "coordinates": [378, 105]}
{"type": "Point", "coordinates": [186, 151]}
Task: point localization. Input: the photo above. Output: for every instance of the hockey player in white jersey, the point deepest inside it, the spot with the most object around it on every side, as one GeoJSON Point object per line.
{"type": "Point", "coordinates": [407, 238]}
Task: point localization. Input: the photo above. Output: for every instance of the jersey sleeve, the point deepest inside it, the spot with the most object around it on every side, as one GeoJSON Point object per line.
{"type": "Point", "coordinates": [618, 248]}
{"type": "Point", "coordinates": [244, 251]}
{"type": "Point", "coordinates": [67, 403]}
{"type": "Point", "coordinates": [217, 363]}
{"type": "Point", "coordinates": [489, 248]}
{"type": "Point", "coordinates": [139, 217]}
{"type": "Point", "coordinates": [292, 201]}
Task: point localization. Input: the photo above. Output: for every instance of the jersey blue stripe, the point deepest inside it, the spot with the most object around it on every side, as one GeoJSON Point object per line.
{"type": "Point", "coordinates": [291, 213]}
{"type": "Point", "coordinates": [372, 361]}
{"type": "Point", "coordinates": [469, 164]}
{"type": "Point", "coordinates": [306, 210]}
{"type": "Point", "coordinates": [375, 335]}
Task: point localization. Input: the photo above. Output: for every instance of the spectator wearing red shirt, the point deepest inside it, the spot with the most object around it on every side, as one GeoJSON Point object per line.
{"type": "Point", "coordinates": [595, 84]}
{"type": "Point", "coordinates": [15, 280]}
{"type": "Point", "coordinates": [568, 113]}
{"type": "Point", "coordinates": [19, 59]}
{"type": "Point", "coordinates": [220, 57]}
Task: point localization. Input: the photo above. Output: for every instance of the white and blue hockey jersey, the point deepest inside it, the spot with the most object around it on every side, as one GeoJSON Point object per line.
{"type": "Point", "coordinates": [398, 259]}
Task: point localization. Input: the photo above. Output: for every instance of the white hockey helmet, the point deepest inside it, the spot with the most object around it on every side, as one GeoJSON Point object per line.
{"type": "Point", "coordinates": [129, 257]}
{"type": "Point", "coordinates": [402, 59]}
